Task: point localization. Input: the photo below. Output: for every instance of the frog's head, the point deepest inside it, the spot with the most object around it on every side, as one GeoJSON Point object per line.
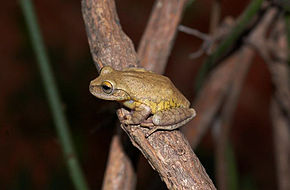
{"type": "Point", "coordinates": [105, 86]}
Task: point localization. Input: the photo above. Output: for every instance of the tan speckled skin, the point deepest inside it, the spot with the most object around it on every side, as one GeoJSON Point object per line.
{"type": "Point", "coordinates": [145, 93]}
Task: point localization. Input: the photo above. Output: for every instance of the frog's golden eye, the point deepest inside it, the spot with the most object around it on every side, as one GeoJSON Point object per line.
{"type": "Point", "coordinates": [107, 87]}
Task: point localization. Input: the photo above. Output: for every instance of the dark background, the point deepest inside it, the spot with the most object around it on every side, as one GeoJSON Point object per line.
{"type": "Point", "coordinates": [30, 154]}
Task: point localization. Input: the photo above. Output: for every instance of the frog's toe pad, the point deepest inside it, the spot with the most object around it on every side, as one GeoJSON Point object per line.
{"type": "Point", "coordinates": [150, 132]}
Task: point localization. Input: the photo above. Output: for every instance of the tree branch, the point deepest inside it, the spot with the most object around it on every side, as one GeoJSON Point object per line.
{"type": "Point", "coordinates": [167, 151]}
{"type": "Point", "coordinates": [109, 45]}
{"type": "Point", "coordinates": [158, 38]}
{"type": "Point", "coordinates": [171, 155]}
{"type": "Point", "coordinates": [119, 173]}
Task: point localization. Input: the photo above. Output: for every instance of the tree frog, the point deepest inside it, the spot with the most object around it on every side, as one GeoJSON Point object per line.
{"type": "Point", "coordinates": [153, 99]}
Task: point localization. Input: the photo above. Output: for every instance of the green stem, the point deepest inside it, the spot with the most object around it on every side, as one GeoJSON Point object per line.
{"type": "Point", "coordinates": [224, 46]}
{"type": "Point", "coordinates": [55, 104]}
{"type": "Point", "coordinates": [232, 170]}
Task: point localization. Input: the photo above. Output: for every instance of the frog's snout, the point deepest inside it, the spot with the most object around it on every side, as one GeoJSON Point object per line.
{"type": "Point", "coordinates": [92, 87]}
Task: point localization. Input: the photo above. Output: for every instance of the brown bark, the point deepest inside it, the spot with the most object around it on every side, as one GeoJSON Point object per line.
{"type": "Point", "coordinates": [167, 151]}
{"type": "Point", "coordinates": [120, 173]}
{"type": "Point", "coordinates": [171, 155]}
{"type": "Point", "coordinates": [109, 45]}
{"type": "Point", "coordinates": [158, 38]}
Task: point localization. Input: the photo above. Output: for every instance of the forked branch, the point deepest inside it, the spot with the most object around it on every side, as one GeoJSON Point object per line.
{"type": "Point", "coordinates": [167, 151]}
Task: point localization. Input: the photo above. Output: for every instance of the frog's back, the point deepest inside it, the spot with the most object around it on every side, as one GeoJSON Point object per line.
{"type": "Point", "coordinates": [153, 90]}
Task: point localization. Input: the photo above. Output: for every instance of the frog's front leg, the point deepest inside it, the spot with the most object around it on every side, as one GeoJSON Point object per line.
{"type": "Point", "coordinates": [137, 115]}
{"type": "Point", "coordinates": [170, 119]}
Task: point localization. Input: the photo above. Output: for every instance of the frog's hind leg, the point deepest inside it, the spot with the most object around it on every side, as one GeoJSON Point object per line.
{"type": "Point", "coordinates": [171, 119]}
{"type": "Point", "coordinates": [138, 115]}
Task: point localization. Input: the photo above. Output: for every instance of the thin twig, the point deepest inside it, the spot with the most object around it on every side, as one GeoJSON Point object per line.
{"type": "Point", "coordinates": [194, 32]}
{"type": "Point", "coordinates": [237, 30]}
{"type": "Point", "coordinates": [52, 94]}
{"type": "Point", "coordinates": [207, 40]}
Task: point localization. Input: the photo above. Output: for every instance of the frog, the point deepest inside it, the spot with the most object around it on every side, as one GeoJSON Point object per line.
{"type": "Point", "coordinates": [152, 99]}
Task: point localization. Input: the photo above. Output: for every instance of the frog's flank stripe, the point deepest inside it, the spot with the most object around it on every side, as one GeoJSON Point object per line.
{"type": "Point", "coordinates": [159, 106]}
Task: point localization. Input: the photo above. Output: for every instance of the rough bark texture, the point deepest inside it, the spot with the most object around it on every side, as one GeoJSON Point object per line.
{"type": "Point", "coordinates": [108, 43]}
{"type": "Point", "coordinates": [168, 151]}
{"type": "Point", "coordinates": [158, 38]}
{"type": "Point", "coordinates": [172, 157]}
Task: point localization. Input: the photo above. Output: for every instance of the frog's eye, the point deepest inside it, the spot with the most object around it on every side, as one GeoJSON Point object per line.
{"type": "Point", "coordinates": [107, 87]}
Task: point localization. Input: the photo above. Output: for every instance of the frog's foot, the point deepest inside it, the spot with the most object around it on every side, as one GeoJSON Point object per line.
{"type": "Point", "coordinates": [135, 117]}
{"type": "Point", "coordinates": [171, 119]}
{"type": "Point", "coordinates": [123, 115]}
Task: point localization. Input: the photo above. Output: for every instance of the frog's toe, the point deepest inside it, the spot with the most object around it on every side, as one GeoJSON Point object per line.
{"type": "Point", "coordinates": [128, 120]}
{"type": "Point", "coordinates": [150, 132]}
{"type": "Point", "coordinates": [147, 124]}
